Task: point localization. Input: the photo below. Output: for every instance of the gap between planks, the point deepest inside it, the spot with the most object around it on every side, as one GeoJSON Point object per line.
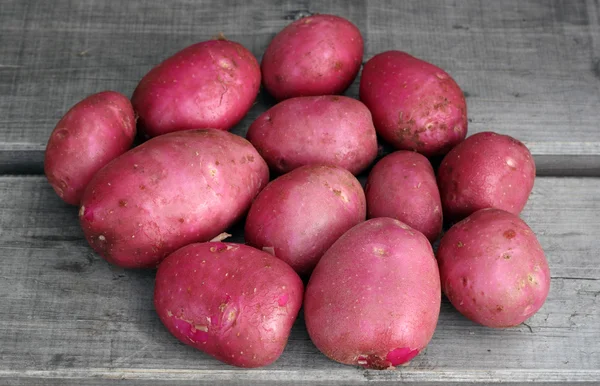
{"type": "Point", "coordinates": [553, 159]}
{"type": "Point", "coordinates": [346, 375]}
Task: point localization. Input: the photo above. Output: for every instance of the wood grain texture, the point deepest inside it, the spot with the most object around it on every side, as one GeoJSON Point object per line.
{"type": "Point", "coordinates": [68, 317]}
{"type": "Point", "coordinates": [530, 69]}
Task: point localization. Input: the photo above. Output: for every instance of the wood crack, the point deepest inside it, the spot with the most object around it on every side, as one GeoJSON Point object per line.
{"type": "Point", "coordinates": [574, 278]}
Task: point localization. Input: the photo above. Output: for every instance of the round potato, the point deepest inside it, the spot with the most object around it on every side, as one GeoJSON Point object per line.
{"type": "Point", "coordinates": [173, 190]}
{"type": "Point", "coordinates": [91, 134]}
{"type": "Point", "coordinates": [402, 186]}
{"type": "Point", "coordinates": [493, 268]}
{"type": "Point", "coordinates": [332, 130]}
{"type": "Point", "coordinates": [316, 55]}
{"type": "Point", "coordinates": [231, 301]}
{"type": "Point", "coordinates": [373, 299]}
{"type": "Point", "coordinates": [210, 84]}
{"type": "Point", "coordinates": [299, 215]}
{"type": "Point", "coordinates": [487, 170]}
{"type": "Point", "coordinates": [415, 105]}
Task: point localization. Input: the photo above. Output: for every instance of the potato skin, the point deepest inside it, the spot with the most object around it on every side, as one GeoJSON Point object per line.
{"type": "Point", "coordinates": [211, 84]}
{"type": "Point", "coordinates": [374, 298]}
{"type": "Point", "coordinates": [91, 134]}
{"type": "Point", "coordinates": [301, 214]}
{"type": "Point", "coordinates": [333, 130]}
{"type": "Point", "coordinates": [415, 105]}
{"type": "Point", "coordinates": [228, 300]}
{"type": "Point", "coordinates": [487, 170]}
{"type": "Point", "coordinates": [493, 268]}
{"type": "Point", "coordinates": [316, 55]}
{"type": "Point", "coordinates": [173, 190]}
{"type": "Point", "coordinates": [402, 186]}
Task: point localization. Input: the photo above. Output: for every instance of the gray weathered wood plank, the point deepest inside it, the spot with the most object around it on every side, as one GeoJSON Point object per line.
{"type": "Point", "coordinates": [530, 69]}
{"type": "Point", "coordinates": [68, 317]}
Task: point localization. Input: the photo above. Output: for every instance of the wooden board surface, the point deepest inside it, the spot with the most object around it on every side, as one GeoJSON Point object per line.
{"type": "Point", "coordinates": [68, 317]}
{"type": "Point", "coordinates": [530, 69]}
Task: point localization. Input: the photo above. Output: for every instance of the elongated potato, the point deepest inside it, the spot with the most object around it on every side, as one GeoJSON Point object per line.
{"type": "Point", "coordinates": [299, 215]}
{"type": "Point", "coordinates": [231, 301]}
{"type": "Point", "coordinates": [173, 190]}
{"type": "Point", "coordinates": [332, 130]}
{"type": "Point", "coordinates": [402, 186]}
{"type": "Point", "coordinates": [210, 84]}
{"type": "Point", "coordinates": [91, 134]}
{"type": "Point", "coordinates": [374, 298]}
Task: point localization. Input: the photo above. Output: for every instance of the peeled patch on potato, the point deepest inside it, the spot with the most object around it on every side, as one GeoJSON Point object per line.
{"type": "Point", "coordinates": [332, 130]}
{"type": "Point", "coordinates": [487, 170]}
{"type": "Point", "coordinates": [493, 269]}
{"type": "Point", "coordinates": [402, 186]}
{"type": "Point", "coordinates": [316, 55]}
{"type": "Point", "coordinates": [173, 190]}
{"type": "Point", "coordinates": [374, 298]}
{"type": "Point", "coordinates": [91, 134]}
{"type": "Point", "coordinates": [228, 300]}
{"type": "Point", "coordinates": [299, 215]}
{"type": "Point", "coordinates": [210, 84]}
{"type": "Point", "coordinates": [415, 104]}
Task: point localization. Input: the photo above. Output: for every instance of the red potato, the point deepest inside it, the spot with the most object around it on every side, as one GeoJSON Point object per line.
{"type": "Point", "coordinates": [402, 186]}
{"type": "Point", "coordinates": [91, 134]}
{"type": "Point", "coordinates": [374, 298]}
{"type": "Point", "coordinates": [301, 214]}
{"type": "Point", "coordinates": [173, 190]}
{"type": "Point", "coordinates": [210, 84]}
{"type": "Point", "coordinates": [230, 301]}
{"type": "Point", "coordinates": [316, 55]}
{"type": "Point", "coordinates": [415, 105]}
{"type": "Point", "coordinates": [493, 268]}
{"type": "Point", "coordinates": [333, 130]}
{"type": "Point", "coordinates": [487, 170]}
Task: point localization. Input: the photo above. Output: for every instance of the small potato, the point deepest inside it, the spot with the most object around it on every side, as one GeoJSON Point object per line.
{"type": "Point", "coordinates": [373, 299]}
{"type": "Point", "coordinates": [171, 191]}
{"type": "Point", "coordinates": [493, 268]}
{"type": "Point", "coordinates": [301, 214]}
{"type": "Point", "coordinates": [228, 300]}
{"type": "Point", "coordinates": [415, 105]}
{"type": "Point", "coordinates": [91, 134]}
{"type": "Point", "coordinates": [487, 170]}
{"type": "Point", "coordinates": [316, 55]}
{"type": "Point", "coordinates": [402, 186]}
{"type": "Point", "coordinates": [332, 130]}
{"type": "Point", "coordinates": [210, 84]}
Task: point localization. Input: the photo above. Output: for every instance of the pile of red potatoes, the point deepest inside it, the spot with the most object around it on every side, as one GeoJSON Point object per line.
{"type": "Point", "coordinates": [374, 286]}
